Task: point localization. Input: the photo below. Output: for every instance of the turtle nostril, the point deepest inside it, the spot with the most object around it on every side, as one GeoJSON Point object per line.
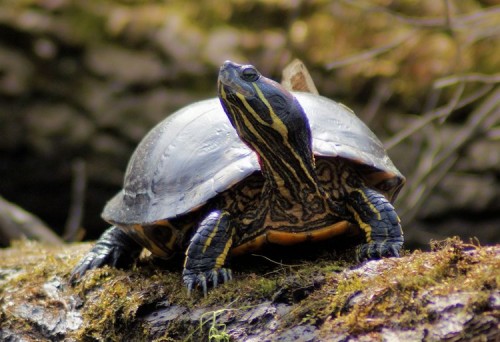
{"type": "Point", "coordinates": [228, 65]}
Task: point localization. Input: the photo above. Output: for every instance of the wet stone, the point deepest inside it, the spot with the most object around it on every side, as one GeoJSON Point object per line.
{"type": "Point", "coordinates": [301, 333]}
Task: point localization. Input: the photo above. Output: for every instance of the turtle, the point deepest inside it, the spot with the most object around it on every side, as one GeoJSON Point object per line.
{"type": "Point", "coordinates": [256, 165]}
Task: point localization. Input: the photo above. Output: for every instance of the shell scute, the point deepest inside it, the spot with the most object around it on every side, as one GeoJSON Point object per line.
{"type": "Point", "coordinates": [195, 154]}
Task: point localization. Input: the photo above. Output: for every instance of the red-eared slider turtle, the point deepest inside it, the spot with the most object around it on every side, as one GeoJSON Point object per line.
{"type": "Point", "coordinates": [267, 166]}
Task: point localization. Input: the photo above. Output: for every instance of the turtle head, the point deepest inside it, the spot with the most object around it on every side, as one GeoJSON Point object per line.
{"type": "Point", "coordinates": [264, 114]}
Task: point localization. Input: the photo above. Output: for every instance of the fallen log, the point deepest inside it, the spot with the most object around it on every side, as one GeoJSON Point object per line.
{"type": "Point", "coordinates": [449, 293]}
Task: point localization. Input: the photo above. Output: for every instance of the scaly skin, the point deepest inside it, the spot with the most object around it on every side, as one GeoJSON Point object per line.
{"type": "Point", "coordinates": [377, 218]}
{"type": "Point", "coordinates": [294, 202]}
{"type": "Point", "coordinates": [206, 255]}
{"type": "Point", "coordinates": [114, 248]}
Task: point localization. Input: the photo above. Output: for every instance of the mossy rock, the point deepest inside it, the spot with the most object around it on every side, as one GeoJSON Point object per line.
{"type": "Point", "coordinates": [451, 292]}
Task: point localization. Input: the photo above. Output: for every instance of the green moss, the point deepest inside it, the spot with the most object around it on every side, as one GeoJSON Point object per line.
{"type": "Point", "coordinates": [113, 297]}
{"type": "Point", "coordinates": [402, 291]}
{"type": "Point", "coordinates": [324, 293]}
{"type": "Point", "coordinates": [354, 303]}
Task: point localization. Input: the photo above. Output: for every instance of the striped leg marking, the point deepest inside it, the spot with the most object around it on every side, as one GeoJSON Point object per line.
{"type": "Point", "coordinates": [377, 218]}
{"type": "Point", "coordinates": [207, 253]}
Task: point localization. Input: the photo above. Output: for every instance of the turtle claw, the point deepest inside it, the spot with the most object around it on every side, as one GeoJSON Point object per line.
{"type": "Point", "coordinates": [202, 279]}
{"type": "Point", "coordinates": [189, 285]}
{"type": "Point", "coordinates": [114, 248]}
{"type": "Point", "coordinates": [378, 250]}
{"type": "Point", "coordinates": [203, 283]}
{"type": "Point", "coordinates": [395, 251]}
{"type": "Point", "coordinates": [227, 274]}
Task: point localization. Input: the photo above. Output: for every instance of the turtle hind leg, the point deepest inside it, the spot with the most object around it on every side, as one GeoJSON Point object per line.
{"type": "Point", "coordinates": [206, 255]}
{"type": "Point", "coordinates": [114, 248]}
{"type": "Point", "coordinates": [377, 218]}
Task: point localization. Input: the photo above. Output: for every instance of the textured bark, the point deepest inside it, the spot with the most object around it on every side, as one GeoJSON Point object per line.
{"type": "Point", "coordinates": [449, 294]}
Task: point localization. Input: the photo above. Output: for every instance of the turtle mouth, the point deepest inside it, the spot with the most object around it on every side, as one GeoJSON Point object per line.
{"type": "Point", "coordinates": [229, 80]}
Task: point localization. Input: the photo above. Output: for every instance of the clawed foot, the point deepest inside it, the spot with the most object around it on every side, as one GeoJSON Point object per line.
{"type": "Point", "coordinates": [378, 250]}
{"type": "Point", "coordinates": [193, 279]}
{"type": "Point", "coordinates": [100, 257]}
{"type": "Point", "coordinates": [114, 249]}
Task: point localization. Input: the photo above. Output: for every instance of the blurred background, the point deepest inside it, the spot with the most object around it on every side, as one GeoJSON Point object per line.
{"type": "Point", "coordinates": [81, 82]}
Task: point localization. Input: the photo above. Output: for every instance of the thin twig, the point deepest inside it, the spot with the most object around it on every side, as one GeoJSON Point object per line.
{"type": "Point", "coordinates": [438, 160]}
{"type": "Point", "coordinates": [75, 215]}
{"type": "Point", "coordinates": [474, 124]}
{"type": "Point", "coordinates": [16, 223]}
{"type": "Point", "coordinates": [275, 262]}
{"type": "Point", "coordinates": [369, 54]}
{"type": "Point", "coordinates": [443, 112]}
{"type": "Point", "coordinates": [382, 93]}
{"type": "Point", "coordinates": [461, 21]}
{"type": "Point", "coordinates": [439, 113]}
{"type": "Point", "coordinates": [470, 77]}
{"type": "Point", "coordinates": [426, 178]}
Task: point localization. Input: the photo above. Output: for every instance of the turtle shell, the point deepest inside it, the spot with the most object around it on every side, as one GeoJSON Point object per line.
{"type": "Point", "coordinates": [195, 154]}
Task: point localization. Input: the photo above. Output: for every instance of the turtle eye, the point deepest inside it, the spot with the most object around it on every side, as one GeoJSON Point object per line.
{"type": "Point", "coordinates": [250, 74]}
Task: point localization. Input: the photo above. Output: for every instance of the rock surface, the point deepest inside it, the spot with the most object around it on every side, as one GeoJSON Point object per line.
{"type": "Point", "coordinates": [451, 293]}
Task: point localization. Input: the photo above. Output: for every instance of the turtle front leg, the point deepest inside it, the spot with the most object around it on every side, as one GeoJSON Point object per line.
{"type": "Point", "coordinates": [207, 252]}
{"type": "Point", "coordinates": [377, 218]}
{"type": "Point", "coordinates": [114, 248]}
